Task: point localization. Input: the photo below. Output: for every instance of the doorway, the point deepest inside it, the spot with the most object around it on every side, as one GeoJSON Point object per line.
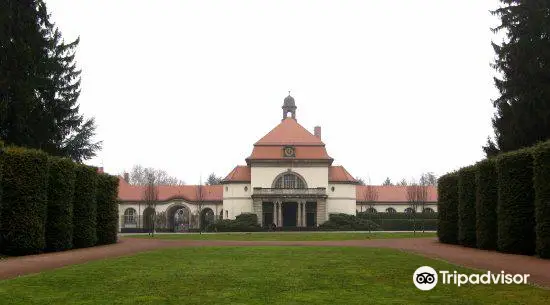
{"type": "Point", "coordinates": [290, 210]}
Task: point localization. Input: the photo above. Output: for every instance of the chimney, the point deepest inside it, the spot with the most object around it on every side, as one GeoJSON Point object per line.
{"type": "Point", "coordinates": [127, 177]}
{"type": "Point", "coordinates": [317, 132]}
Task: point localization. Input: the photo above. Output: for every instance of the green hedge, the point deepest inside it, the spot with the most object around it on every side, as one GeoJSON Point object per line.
{"type": "Point", "coordinates": [107, 209]}
{"type": "Point", "coordinates": [59, 222]}
{"type": "Point", "coordinates": [447, 208]}
{"type": "Point", "coordinates": [541, 184]}
{"type": "Point", "coordinates": [516, 211]}
{"type": "Point", "coordinates": [84, 207]}
{"type": "Point", "coordinates": [24, 201]}
{"type": "Point", "coordinates": [346, 222]}
{"type": "Point", "coordinates": [486, 204]}
{"type": "Point", "coordinates": [1, 152]}
{"type": "Point", "coordinates": [397, 215]}
{"type": "Point", "coordinates": [406, 224]}
{"type": "Point", "coordinates": [467, 206]}
{"type": "Point", "coordinates": [246, 222]}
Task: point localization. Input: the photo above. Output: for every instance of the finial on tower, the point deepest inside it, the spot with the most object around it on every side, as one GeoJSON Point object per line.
{"type": "Point", "coordinates": [289, 106]}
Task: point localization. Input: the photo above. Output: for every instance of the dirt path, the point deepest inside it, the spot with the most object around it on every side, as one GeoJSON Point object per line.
{"type": "Point", "coordinates": [538, 269]}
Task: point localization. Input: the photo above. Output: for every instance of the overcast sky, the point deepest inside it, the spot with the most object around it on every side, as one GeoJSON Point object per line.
{"type": "Point", "coordinates": [399, 87]}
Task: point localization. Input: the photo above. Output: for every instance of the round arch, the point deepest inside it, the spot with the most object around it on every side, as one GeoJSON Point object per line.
{"type": "Point", "coordinates": [279, 181]}
{"type": "Point", "coordinates": [207, 218]}
{"type": "Point", "coordinates": [178, 217]}
{"type": "Point", "coordinates": [148, 219]}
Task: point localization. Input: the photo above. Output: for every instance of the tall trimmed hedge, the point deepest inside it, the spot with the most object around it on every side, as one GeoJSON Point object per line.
{"type": "Point", "coordinates": [24, 201]}
{"type": "Point", "coordinates": [541, 184]}
{"type": "Point", "coordinates": [447, 207]}
{"type": "Point", "coordinates": [84, 207]}
{"type": "Point", "coordinates": [467, 206]}
{"type": "Point", "coordinates": [107, 209]}
{"type": "Point", "coordinates": [1, 152]}
{"type": "Point", "coordinates": [59, 222]}
{"type": "Point", "coordinates": [516, 210]}
{"type": "Point", "coordinates": [486, 204]}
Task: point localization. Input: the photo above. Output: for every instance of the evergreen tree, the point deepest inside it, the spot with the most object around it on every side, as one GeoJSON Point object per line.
{"type": "Point", "coordinates": [387, 181]}
{"type": "Point", "coordinates": [523, 108]}
{"type": "Point", "coordinates": [40, 84]}
{"type": "Point", "coordinates": [213, 179]}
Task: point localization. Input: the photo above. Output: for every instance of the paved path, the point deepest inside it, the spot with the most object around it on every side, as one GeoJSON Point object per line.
{"type": "Point", "coordinates": [479, 259]}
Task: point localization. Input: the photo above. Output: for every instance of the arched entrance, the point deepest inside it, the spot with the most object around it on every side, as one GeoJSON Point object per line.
{"type": "Point", "coordinates": [148, 218]}
{"type": "Point", "coordinates": [207, 218]}
{"type": "Point", "coordinates": [179, 219]}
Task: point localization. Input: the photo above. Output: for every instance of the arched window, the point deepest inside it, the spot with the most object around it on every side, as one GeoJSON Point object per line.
{"type": "Point", "coordinates": [289, 181]}
{"type": "Point", "coordinates": [130, 216]}
{"type": "Point", "coordinates": [371, 210]}
{"type": "Point", "coordinates": [391, 211]}
{"type": "Point", "coordinates": [409, 211]}
{"type": "Point", "coordinates": [428, 210]}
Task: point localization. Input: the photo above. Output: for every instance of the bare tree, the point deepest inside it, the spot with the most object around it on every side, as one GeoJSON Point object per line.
{"type": "Point", "coordinates": [370, 196]}
{"type": "Point", "coordinates": [360, 181]}
{"type": "Point", "coordinates": [200, 193]}
{"type": "Point", "coordinates": [139, 175]}
{"type": "Point", "coordinates": [417, 195]}
{"type": "Point", "coordinates": [150, 197]}
{"type": "Point", "coordinates": [403, 182]}
{"type": "Point", "coordinates": [428, 179]}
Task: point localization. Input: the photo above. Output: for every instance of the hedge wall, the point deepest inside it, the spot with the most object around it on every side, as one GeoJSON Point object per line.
{"type": "Point", "coordinates": [107, 209]}
{"type": "Point", "coordinates": [1, 152]}
{"type": "Point", "coordinates": [59, 222]}
{"type": "Point", "coordinates": [541, 185]}
{"type": "Point", "coordinates": [84, 207]}
{"type": "Point", "coordinates": [486, 204]}
{"type": "Point", "coordinates": [447, 207]}
{"type": "Point", "coordinates": [467, 206]}
{"type": "Point", "coordinates": [516, 211]}
{"type": "Point", "coordinates": [24, 201]}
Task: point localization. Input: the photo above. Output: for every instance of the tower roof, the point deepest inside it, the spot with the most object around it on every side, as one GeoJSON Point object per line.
{"type": "Point", "coordinates": [289, 132]}
{"type": "Point", "coordinates": [289, 101]}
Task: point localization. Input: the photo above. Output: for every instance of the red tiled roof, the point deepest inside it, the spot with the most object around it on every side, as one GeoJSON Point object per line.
{"type": "Point", "coordinates": [302, 153]}
{"type": "Point", "coordinates": [241, 173]}
{"type": "Point", "coordinates": [127, 192]}
{"type": "Point", "coordinates": [289, 132]}
{"type": "Point", "coordinates": [339, 174]}
{"type": "Point", "coordinates": [393, 193]}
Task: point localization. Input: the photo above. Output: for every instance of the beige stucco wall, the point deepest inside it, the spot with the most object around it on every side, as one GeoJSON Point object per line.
{"type": "Point", "coordinates": [342, 199]}
{"type": "Point", "coordinates": [264, 176]}
{"type": "Point", "coordinates": [236, 199]}
{"type": "Point", "coordinates": [398, 206]}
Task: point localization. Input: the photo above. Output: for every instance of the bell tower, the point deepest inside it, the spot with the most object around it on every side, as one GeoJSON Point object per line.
{"type": "Point", "coordinates": [289, 106]}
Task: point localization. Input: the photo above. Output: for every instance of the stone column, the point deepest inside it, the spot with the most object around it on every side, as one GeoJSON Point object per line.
{"type": "Point", "coordinates": [299, 220]}
{"type": "Point", "coordinates": [257, 208]}
{"type": "Point", "coordinates": [280, 214]}
{"type": "Point", "coordinates": [304, 214]}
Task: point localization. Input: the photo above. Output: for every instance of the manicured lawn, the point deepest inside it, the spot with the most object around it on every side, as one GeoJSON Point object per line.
{"type": "Point", "coordinates": [256, 275]}
{"type": "Point", "coordinates": [290, 236]}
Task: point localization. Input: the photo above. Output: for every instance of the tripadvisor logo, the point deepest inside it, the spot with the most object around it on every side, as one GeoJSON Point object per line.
{"type": "Point", "coordinates": [426, 278]}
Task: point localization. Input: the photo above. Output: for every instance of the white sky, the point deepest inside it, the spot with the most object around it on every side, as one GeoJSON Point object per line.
{"type": "Point", "coordinates": [399, 87]}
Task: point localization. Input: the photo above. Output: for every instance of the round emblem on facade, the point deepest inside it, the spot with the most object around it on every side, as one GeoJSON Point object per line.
{"type": "Point", "coordinates": [289, 152]}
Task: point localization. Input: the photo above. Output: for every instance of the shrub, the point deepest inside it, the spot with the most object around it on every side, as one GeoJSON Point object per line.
{"type": "Point", "coordinates": [541, 185]}
{"type": "Point", "coordinates": [405, 224]}
{"type": "Point", "coordinates": [447, 207]}
{"type": "Point", "coordinates": [486, 204]}
{"type": "Point", "coordinates": [84, 207]}
{"type": "Point", "coordinates": [467, 206]}
{"type": "Point", "coordinates": [346, 222]}
{"type": "Point", "coordinates": [24, 201]}
{"type": "Point", "coordinates": [59, 221]}
{"type": "Point", "coordinates": [246, 222]}
{"type": "Point", "coordinates": [107, 209]}
{"type": "Point", "coordinates": [515, 211]}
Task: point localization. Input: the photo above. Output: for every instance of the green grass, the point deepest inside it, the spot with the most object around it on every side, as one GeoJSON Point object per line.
{"type": "Point", "coordinates": [256, 275]}
{"type": "Point", "coordinates": [289, 236]}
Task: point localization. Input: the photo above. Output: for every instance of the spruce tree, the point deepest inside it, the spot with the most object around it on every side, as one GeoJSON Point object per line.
{"type": "Point", "coordinates": [522, 115]}
{"type": "Point", "coordinates": [40, 84]}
